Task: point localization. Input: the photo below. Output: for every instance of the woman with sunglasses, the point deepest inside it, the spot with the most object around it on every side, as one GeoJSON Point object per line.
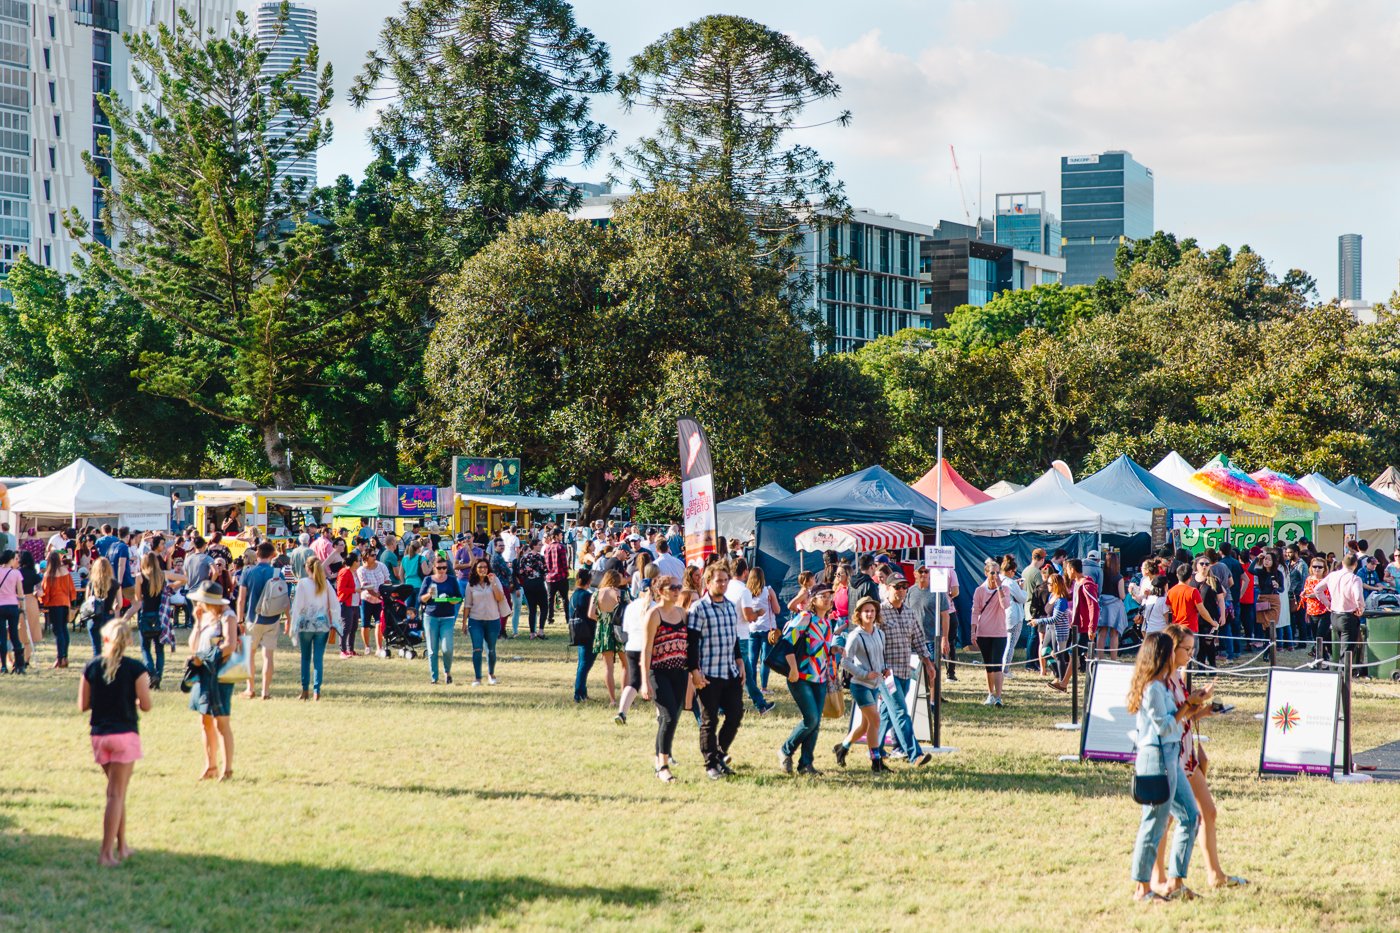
{"type": "Point", "coordinates": [1318, 623]}
{"type": "Point", "coordinates": [1213, 597]}
{"type": "Point", "coordinates": [664, 665]}
{"type": "Point", "coordinates": [441, 595]}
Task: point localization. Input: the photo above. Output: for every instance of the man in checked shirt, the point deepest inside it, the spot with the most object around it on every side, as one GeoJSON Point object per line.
{"type": "Point", "coordinates": [904, 635]}
{"type": "Point", "coordinates": [716, 669]}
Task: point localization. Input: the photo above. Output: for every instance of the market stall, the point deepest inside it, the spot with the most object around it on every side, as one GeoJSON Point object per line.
{"type": "Point", "coordinates": [82, 491]}
{"type": "Point", "coordinates": [1374, 524]}
{"type": "Point", "coordinates": [478, 510]}
{"type": "Point", "coordinates": [1002, 488]}
{"type": "Point", "coordinates": [1189, 518]}
{"type": "Point", "coordinates": [275, 513]}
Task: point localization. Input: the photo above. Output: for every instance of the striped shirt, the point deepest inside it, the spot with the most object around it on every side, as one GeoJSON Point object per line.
{"type": "Point", "coordinates": [903, 636]}
{"type": "Point", "coordinates": [715, 624]}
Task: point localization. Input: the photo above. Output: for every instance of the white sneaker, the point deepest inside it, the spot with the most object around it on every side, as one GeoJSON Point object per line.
{"type": "Point", "coordinates": [989, 701]}
{"type": "Point", "coordinates": [492, 681]}
{"type": "Point", "coordinates": [476, 683]}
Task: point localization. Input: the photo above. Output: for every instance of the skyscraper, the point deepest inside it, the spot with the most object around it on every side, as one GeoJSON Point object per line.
{"type": "Point", "coordinates": [1024, 223]}
{"type": "Point", "coordinates": [56, 57]}
{"type": "Point", "coordinates": [284, 44]}
{"type": "Point", "coordinates": [1349, 267]}
{"type": "Point", "coordinates": [1105, 200]}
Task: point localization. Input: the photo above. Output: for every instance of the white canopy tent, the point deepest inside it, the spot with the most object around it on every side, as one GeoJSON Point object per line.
{"type": "Point", "coordinates": [1051, 504]}
{"type": "Point", "coordinates": [573, 492]}
{"type": "Point", "coordinates": [1372, 522]}
{"type": "Point", "coordinates": [1002, 488]}
{"type": "Point", "coordinates": [530, 503]}
{"type": "Point", "coordinates": [1175, 469]}
{"type": "Point", "coordinates": [81, 489]}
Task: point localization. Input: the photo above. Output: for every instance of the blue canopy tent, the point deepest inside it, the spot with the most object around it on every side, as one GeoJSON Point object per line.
{"type": "Point", "coordinates": [870, 495]}
{"type": "Point", "coordinates": [1354, 486]}
{"type": "Point", "coordinates": [1126, 482]}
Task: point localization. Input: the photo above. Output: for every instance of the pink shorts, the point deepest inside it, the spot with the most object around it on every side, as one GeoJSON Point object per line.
{"type": "Point", "coordinates": [121, 749]}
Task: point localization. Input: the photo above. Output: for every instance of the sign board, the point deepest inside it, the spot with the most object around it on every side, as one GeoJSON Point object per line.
{"type": "Point", "coordinates": [1082, 160]}
{"type": "Point", "coordinates": [1301, 713]}
{"type": "Point", "coordinates": [1104, 735]}
{"type": "Point", "coordinates": [942, 557]}
{"type": "Point", "coordinates": [938, 578]}
{"type": "Point", "coordinates": [487, 476]}
{"type": "Point", "coordinates": [697, 492]}
{"type": "Point", "coordinates": [417, 500]}
{"type": "Point", "coordinates": [1160, 528]}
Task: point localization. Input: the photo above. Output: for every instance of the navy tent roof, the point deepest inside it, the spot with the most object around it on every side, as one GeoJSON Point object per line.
{"type": "Point", "coordinates": [1353, 486]}
{"type": "Point", "coordinates": [870, 495]}
{"type": "Point", "coordinates": [1126, 482]}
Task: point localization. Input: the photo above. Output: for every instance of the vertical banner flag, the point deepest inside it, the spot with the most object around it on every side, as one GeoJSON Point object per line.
{"type": "Point", "coordinates": [697, 492]}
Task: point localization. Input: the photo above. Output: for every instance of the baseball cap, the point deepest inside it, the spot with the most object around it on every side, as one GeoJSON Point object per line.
{"type": "Point", "coordinates": [1093, 555]}
{"type": "Point", "coordinates": [819, 589]}
{"type": "Point", "coordinates": [896, 580]}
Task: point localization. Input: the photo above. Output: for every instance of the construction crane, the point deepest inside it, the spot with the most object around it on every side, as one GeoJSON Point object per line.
{"type": "Point", "coordinates": [967, 214]}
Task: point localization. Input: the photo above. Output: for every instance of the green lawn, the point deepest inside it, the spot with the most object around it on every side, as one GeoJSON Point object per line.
{"type": "Point", "coordinates": [394, 805]}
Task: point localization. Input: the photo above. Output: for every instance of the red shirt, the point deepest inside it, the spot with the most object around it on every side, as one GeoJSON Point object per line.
{"type": "Point", "coordinates": [1183, 600]}
{"type": "Point", "coordinates": [556, 562]}
{"type": "Point", "coordinates": [1084, 612]}
{"type": "Point", "coordinates": [346, 589]}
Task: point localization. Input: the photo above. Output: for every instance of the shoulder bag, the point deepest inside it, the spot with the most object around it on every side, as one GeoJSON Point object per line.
{"type": "Point", "coordinates": [1153, 789]}
{"type": "Point", "coordinates": [235, 669]}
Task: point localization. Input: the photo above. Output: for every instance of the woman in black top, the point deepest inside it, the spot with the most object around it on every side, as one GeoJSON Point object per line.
{"type": "Point", "coordinates": [112, 688]}
{"type": "Point", "coordinates": [31, 620]}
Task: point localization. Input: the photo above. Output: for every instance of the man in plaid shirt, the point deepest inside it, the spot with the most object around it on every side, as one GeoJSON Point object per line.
{"type": "Point", "coordinates": [716, 669]}
{"type": "Point", "coordinates": [904, 635]}
{"type": "Point", "coordinates": [556, 573]}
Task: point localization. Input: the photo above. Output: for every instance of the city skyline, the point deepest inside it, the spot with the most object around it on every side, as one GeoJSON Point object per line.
{"type": "Point", "coordinates": [1246, 111]}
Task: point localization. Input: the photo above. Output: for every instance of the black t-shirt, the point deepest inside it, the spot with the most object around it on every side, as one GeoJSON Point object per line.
{"type": "Point", "coordinates": [114, 704]}
{"type": "Point", "coordinates": [1210, 600]}
{"type": "Point", "coordinates": [1110, 584]}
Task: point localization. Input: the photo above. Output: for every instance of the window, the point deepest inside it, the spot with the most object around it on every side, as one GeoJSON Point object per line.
{"type": "Point", "coordinates": [57, 126]}
{"type": "Point", "coordinates": [53, 223]}
{"type": "Point", "coordinates": [48, 189]}
{"type": "Point", "coordinates": [53, 92]}
{"type": "Point", "coordinates": [48, 255]}
{"type": "Point", "coordinates": [48, 59]}
{"type": "Point", "coordinates": [53, 155]}
{"type": "Point", "coordinates": [53, 28]}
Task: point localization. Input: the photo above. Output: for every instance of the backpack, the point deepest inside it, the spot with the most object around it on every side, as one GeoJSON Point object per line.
{"type": "Point", "coordinates": [275, 599]}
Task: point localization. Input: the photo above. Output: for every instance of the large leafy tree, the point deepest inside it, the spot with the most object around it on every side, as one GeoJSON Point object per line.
{"type": "Point", "coordinates": [580, 346]}
{"type": "Point", "coordinates": [205, 236]}
{"type": "Point", "coordinates": [729, 92]}
{"type": "Point", "coordinates": [67, 349]}
{"type": "Point", "coordinates": [487, 99]}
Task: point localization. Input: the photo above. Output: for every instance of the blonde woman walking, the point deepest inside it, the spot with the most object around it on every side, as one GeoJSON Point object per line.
{"type": "Point", "coordinates": [112, 689]}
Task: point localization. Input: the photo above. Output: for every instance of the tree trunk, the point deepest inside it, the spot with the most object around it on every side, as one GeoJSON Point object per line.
{"type": "Point", "coordinates": [277, 457]}
{"type": "Point", "coordinates": [601, 496]}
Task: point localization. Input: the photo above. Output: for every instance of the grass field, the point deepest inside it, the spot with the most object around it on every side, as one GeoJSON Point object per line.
{"type": "Point", "coordinates": [394, 805]}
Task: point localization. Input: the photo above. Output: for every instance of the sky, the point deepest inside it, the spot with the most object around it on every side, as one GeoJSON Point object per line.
{"type": "Point", "coordinates": [1272, 123]}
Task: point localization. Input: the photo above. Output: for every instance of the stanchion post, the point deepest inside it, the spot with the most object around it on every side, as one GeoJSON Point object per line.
{"type": "Point", "coordinates": [1318, 650]}
{"type": "Point", "coordinates": [1074, 681]}
{"type": "Point", "coordinates": [938, 685]}
{"type": "Point", "coordinates": [1273, 646]}
{"type": "Point", "coordinates": [1346, 717]}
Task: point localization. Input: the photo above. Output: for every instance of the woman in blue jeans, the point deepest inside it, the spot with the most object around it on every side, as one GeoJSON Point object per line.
{"type": "Point", "coordinates": [809, 671]}
{"type": "Point", "coordinates": [483, 599]}
{"type": "Point", "coordinates": [315, 608]}
{"type": "Point", "coordinates": [1158, 739]}
{"type": "Point", "coordinates": [440, 595]}
{"type": "Point", "coordinates": [581, 630]}
{"type": "Point", "coordinates": [150, 593]}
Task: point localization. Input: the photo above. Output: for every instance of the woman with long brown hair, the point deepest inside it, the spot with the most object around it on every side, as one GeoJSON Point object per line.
{"type": "Point", "coordinates": [1158, 738]}
{"type": "Point", "coordinates": [606, 611]}
{"type": "Point", "coordinates": [56, 596]}
{"type": "Point", "coordinates": [103, 600]}
{"type": "Point", "coordinates": [483, 600]}
{"type": "Point", "coordinates": [150, 593]}
{"type": "Point", "coordinates": [315, 608]}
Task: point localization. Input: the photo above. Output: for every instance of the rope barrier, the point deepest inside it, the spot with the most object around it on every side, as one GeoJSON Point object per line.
{"type": "Point", "coordinates": [1193, 663]}
{"type": "Point", "coordinates": [1355, 666]}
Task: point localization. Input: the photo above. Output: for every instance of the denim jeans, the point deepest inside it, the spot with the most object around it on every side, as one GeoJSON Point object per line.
{"type": "Point", "coordinates": [810, 697]}
{"type": "Point", "coordinates": [1181, 804]}
{"type": "Point", "coordinates": [586, 657]}
{"type": "Point", "coordinates": [515, 601]}
{"type": "Point", "coordinates": [1013, 641]}
{"type": "Point", "coordinates": [1231, 645]}
{"type": "Point", "coordinates": [484, 630]}
{"type": "Point", "coordinates": [313, 652]}
{"type": "Point", "coordinates": [902, 725]}
{"type": "Point", "coordinates": [438, 631]}
{"type": "Point", "coordinates": [749, 649]}
{"type": "Point", "coordinates": [149, 623]}
{"type": "Point", "coordinates": [9, 629]}
{"type": "Point", "coordinates": [756, 651]}
{"type": "Point", "coordinates": [58, 620]}
{"type": "Point", "coordinates": [94, 632]}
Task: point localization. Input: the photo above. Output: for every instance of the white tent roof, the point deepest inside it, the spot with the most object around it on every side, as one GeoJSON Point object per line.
{"type": "Point", "coordinates": [1368, 516]}
{"type": "Point", "coordinates": [529, 503]}
{"type": "Point", "coordinates": [1051, 504]}
{"type": "Point", "coordinates": [1002, 488]}
{"type": "Point", "coordinates": [82, 489]}
{"type": "Point", "coordinates": [1175, 469]}
{"type": "Point", "coordinates": [573, 492]}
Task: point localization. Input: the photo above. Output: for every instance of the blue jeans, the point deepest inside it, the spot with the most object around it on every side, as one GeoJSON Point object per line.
{"type": "Point", "coordinates": [439, 630]}
{"type": "Point", "coordinates": [9, 629]}
{"type": "Point", "coordinates": [754, 651]}
{"type": "Point", "coordinates": [586, 657]}
{"type": "Point", "coordinates": [313, 652]}
{"type": "Point", "coordinates": [810, 698]}
{"type": "Point", "coordinates": [902, 725]}
{"type": "Point", "coordinates": [1181, 804]}
{"type": "Point", "coordinates": [516, 598]}
{"type": "Point", "coordinates": [484, 630]}
{"type": "Point", "coordinates": [150, 637]}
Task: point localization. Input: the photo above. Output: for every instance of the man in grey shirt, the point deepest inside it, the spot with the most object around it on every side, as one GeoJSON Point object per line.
{"type": "Point", "coordinates": [198, 565]}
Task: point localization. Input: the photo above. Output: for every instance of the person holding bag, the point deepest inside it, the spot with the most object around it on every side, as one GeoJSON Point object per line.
{"type": "Point", "coordinates": [440, 596]}
{"type": "Point", "coordinates": [663, 665]}
{"type": "Point", "coordinates": [486, 606]}
{"type": "Point", "coordinates": [213, 641]}
{"type": "Point", "coordinates": [315, 609]}
{"type": "Point", "coordinates": [1159, 783]}
{"type": "Point", "coordinates": [808, 635]}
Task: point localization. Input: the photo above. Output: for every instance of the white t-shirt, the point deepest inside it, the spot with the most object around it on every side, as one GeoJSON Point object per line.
{"type": "Point", "coordinates": [669, 566]}
{"type": "Point", "coordinates": [512, 544]}
{"type": "Point", "coordinates": [57, 542]}
{"type": "Point", "coordinates": [738, 594]}
{"type": "Point", "coordinates": [634, 624]}
{"type": "Point", "coordinates": [372, 578]}
{"type": "Point", "coordinates": [760, 605]}
{"type": "Point", "coordinates": [1154, 614]}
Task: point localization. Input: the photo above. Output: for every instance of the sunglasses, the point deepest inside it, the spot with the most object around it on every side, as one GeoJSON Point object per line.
{"type": "Point", "coordinates": [440, 566]}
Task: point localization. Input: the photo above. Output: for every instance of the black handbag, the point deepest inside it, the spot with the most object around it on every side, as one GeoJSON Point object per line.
{"type": "Point", "coordinates": [780, 657]}
{"type": "Point", "coordinates": [1152, 789]}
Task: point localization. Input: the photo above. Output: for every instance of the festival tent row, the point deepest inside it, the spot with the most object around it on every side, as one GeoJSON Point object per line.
{"type": "Point", "coordinates": [80, 490]}
{"type": "Point", "coordinates": [1371, 522]}
{"type": "Point", "coordinates": [736, 516]}
{"type": "Point", "coordinates": [1388, 483]}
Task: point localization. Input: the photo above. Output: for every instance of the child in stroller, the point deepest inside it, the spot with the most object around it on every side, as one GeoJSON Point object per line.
{"type": "Point", "coordinates": [400, 629]}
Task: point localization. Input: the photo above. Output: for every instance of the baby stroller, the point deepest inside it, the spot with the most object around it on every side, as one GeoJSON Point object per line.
{"type": "Point", "coordinates": [400, 630]}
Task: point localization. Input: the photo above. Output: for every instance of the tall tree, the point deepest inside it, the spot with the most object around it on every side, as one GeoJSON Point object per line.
{"type": "Point", "coordinates": [488, 98]}
{"type": "Point", "coordinates": [729, 92]}
{"type": "Point", "coordinates": [579, 347]}
{"type": "Point", "coordinates": [205, 235]}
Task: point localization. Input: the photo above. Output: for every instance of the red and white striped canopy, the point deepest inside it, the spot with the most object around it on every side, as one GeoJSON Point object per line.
{"type": "Point", "coordinates": [868, 536]}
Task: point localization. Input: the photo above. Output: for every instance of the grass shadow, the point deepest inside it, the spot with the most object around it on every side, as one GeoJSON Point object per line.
{"type": "Point", "coordinates": [159, 890]}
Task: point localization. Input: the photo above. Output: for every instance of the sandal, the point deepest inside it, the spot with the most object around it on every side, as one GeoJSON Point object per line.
{"type": "Point", "coordinates": [1056, 685]}
{"type": "Point", "coordinates": [1182, 893]}
{"type": "Point", "coordinates": [1232, 881]}
{"type": "Point", "coordinates": [664, 774]}
{"type": "Point", "coordinates": [1151, 897]}
{"type": "Point", "coordinates": [209, 774]}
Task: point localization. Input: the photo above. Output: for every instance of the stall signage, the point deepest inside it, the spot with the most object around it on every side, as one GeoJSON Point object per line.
{"type": "Point", "coordinates": [417, 500]}
{"type": "Point", "coordinates": [488, 476]}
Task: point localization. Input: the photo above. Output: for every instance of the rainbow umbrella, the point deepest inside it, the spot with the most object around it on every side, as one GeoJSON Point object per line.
{"type": "Point", "coordinates": [1285, 490]}
{"type": "Point", "coordinates": [1223, 481]}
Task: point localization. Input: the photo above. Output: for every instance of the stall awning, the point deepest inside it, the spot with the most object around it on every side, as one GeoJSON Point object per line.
{"type": "Point", "coordinates": [528, 503]}
{"type": "Point", "coordinates": [868, 536]}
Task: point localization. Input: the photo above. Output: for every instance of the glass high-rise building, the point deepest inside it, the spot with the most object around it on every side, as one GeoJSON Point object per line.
{"type": "Point", "coordinates": [1024, 223]}
{"type": "Point", "coordinates": [1105, 200]}
{"type": "Point", "coordinates": [1349, 267]}
{"type": "Point", "coordinates": [285, 44]}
